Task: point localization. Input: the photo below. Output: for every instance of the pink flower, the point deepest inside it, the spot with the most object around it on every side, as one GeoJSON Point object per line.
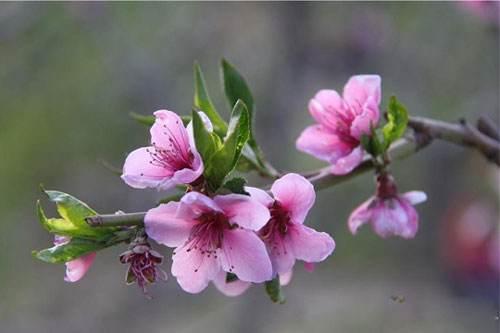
{"type": "Point", "coordinates": [285, 235]}
{"type": "Point", "coordinates": [341, 123]}
{"type": "Point", "coordinates": [77, 268]}
{"type": "Point", "coordinates": [210, 236]}
{"type": "Point", "coordinates": [389, 213]}
{"type": "Point", "coordinates": [171, 159]}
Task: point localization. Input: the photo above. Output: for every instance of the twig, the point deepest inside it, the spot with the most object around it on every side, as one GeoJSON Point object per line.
{"type": "Point", "coordinates": [462, 134]}
{"type": "Point", "coordinates": [116, 220]}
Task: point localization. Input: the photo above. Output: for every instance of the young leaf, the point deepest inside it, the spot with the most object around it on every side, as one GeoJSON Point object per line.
{"type": "Point", "coordinates": [224, 160]}
{"type": "Point", "coordinates": [372, 143]}
{"type": "Point", "coordinates": [235, 87]}
{"type": "Point", "coordinates": [397, 119]}
{"type": "Point", "coordinates": [273, 289]}
{"type": "Point", "coordinates": [206, 142]}
{"type": "Point", "coordinates": [141, 119]}
{"type": "Point", "coordinates": [72, 221]}
{"type": "Point", "coordinates": [75, 248]}
{"type": "Point", "coordinates": [236, 185]}
{"type": "Point", "coordinates": [203, 102]}
{"type": "Point", "coordinates": [150, 119]}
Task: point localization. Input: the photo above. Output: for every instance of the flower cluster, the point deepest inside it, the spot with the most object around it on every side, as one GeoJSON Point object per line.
{"type": "Point", "coordinates": [222, 231]}
{"type": "Point", "coordinates": [255, 237]}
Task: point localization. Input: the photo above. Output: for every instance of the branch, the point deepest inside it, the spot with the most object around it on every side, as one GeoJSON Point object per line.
{"type": "Point", "coordinates": [461, 134]}
{"type": "Point", "coordinates": [116, 220]}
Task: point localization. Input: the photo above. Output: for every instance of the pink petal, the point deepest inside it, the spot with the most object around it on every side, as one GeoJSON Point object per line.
{"type": "Point", "coordinates": [361, 87]}
{"type": "Point", "coordinates": [260, 195]}
{"type": "Point", "coordinates": [346, 164]}
{"type": "Point", "coordinates": [364, 122]}
{"type": "Point", "coordinates": [285, 278]}
{"type": "Point", "coordinates": [233, 288]}
{"type": "Point", "coordinates": [361, 215]}
{"type": "Point", "coordinates": [325, 106]}
{"type": "Point", "coordinates": [310, 245]}
{"type": "Point", "coordinates": [193, 269]}
{"type": "Point", "coordinates": [196, 203]}
{"type": "Point", "coordinates": [415, 197]}
{"type": "Point", "coordinates": [167, 129]}
{"type": "Point", "coordinates": [76, 269]}
{"type": "Point", "coordinates": [296, 194]}
{"type": "Point", "coordinates": [243, 210]}
{"type": "Point", "coordinates": [206, 121]}
{"type": "Point", "coordinates": [317, 141]}
{"type": "Point", "coordinates": [282, 256]}
{"type": "Point", "coordinates": [244, 254]}
{"type": "Point", "coordinates": [396, 217]}
{"type": "Point", "coordinates": [138, 172]}
{"type": "Point", "coordinates": [189, 175]}
{"type": "Point", "coordinates": [168, 224]}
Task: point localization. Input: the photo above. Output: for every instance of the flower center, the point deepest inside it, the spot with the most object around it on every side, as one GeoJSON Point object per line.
{"type": "Point", "coordinates": [175, 156]}
{"type": "Point", "coordinates": [208, 234]}
{"type": "Point", "coordinates": [276, 229]}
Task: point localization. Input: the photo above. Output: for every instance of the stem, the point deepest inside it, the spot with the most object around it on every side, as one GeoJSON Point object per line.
{"type": "Point", "coordinates": [116, 220]}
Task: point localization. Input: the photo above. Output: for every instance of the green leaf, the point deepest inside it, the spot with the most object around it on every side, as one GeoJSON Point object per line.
{"type": "Point", "coordinates": [236, 185]}
{"type": "Point", "coordinates": [75, 248]}
{"type": "Point", "coordinates": [236, 88]}
{"type": "Point", "coordinates": [150, 119]}
{"type": "Point", "coordinates": [372, 143]}
{"type": "Point", "coordinates": [207, 143]}
{"type": "Point", "coordinates": [141, 119]}
{"type": "Point", "coordinates": [224, 160]}
{"type": "Point", "coordinates": [72, 221]}
{"type": "Point", "coordinates": [273, 289]}
{"type": "Point", "coordinates": [203, 102]}
{"type": "Point", "coordinates": [397, 119]}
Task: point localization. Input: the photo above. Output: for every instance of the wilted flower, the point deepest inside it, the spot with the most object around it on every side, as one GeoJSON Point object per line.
{"type": "Point", "coordinates": [285, 235]}
{"type": "Point", "coordinates": [143, 264]}
{"type": "Point", "coordinates": [77, 268]}
{"type": "Point", "coordinates": [171, 159]}
{"type": "Point", "coordinates": [341, 123]}
{"type": "Point", "coordinates": [212, 235]}
{"type": "Point", "coordinates": [388, 212]}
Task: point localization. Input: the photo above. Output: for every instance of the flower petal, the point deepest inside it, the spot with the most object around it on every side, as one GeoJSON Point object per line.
{"type": "Point", "coordinates": [360, 87]}
{"type": "Point", "coordinates": [193, 269]}
{"type": "Point", "coordinates": [244, 254]}
{"type": "Point", "coordinates": [243, 210]}
{"type": "Point", "coordinates": [317, 141]}
{"type": "Point", "coordinates": [198, 203]}
{"type": "Point", "coordinates": [139, 172]}
{"type": "Point", "coordinates": [168, 129]}
{"type": "Point", "coordinates": [325, 106]}
{"type": "Point", "coordinates": [76, 269]}
{"type": "Point", "coordinates": [364, 122]}
{"type": "Point", "coordinates": [361, 215]}
{"type": "Point", "coordinates": [310, 245]}
{"type": "Point", "coordinates": [260, 195]}
{"type": "Point", "coordinates": [296, 194]}
{"type": "Point", "coordinates": [346, 164]}
{"type": "Point", "coordinates": [282, 256]}
{"type": "Point", "coordinates": [169, 224]}
{"type": "Point", "coordinates": [189, 175]}
{"type": "Point", "coordinates": [396, 217]}
{"type": "Point", "coordinates": [415, 197]}
{"type": "Point", "coordinates": [233, 288]}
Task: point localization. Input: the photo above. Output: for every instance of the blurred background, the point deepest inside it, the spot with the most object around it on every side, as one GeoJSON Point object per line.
{"type": "Point", "coordinates": [70, 73]}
